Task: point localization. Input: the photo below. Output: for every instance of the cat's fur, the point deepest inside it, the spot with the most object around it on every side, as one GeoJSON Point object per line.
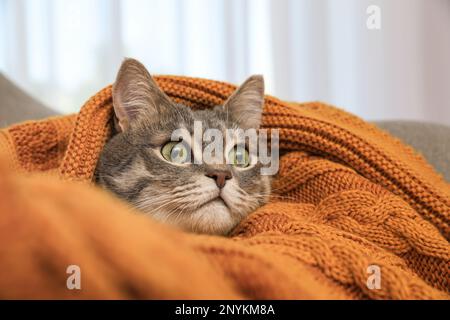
{"type": "Point", "coordinates": [131, 165]}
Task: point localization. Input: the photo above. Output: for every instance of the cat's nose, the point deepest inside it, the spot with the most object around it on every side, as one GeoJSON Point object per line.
{"type": "Point", "coordinates": [220, 176]}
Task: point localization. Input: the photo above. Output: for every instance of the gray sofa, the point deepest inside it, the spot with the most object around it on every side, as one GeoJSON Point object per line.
{"type": "Point", "coordinates": [432, 140]}
{"type": "Point", "coordinates": [16, 105]}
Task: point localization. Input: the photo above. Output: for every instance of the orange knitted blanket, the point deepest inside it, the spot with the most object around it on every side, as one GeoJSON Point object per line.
{"type": "Point", "coordinates": [355, 215]}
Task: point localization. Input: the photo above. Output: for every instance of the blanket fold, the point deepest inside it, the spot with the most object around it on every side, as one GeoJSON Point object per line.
{"type": "Point", "coordinates": [349, 200]}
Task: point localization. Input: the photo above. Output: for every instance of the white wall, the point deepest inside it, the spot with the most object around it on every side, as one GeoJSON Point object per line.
{"type": "Point", "coordinates": [64, 51]}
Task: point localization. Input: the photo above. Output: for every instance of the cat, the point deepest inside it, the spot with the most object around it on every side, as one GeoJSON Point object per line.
{"type": "Point", "coordinates": [137, 163]}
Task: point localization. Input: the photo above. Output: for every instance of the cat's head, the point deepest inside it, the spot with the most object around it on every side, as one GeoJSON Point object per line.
{"type": "Point", "coordinates": [162, 177]}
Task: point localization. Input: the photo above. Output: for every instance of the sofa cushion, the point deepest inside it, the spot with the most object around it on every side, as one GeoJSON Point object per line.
{"type": "Point", "coordinates": [17, 106]}
{"type": "Point", "coordinates": [430, 139]}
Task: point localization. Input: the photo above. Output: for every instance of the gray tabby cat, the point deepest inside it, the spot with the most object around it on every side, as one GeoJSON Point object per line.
{"type": "Point", "coordinates": [137, 163]}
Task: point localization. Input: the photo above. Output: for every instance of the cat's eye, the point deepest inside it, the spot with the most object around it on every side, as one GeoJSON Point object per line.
{"type": "Point", "coordinates": [239, 157]}
{"type": "Point", "coordinates": [176, 152]}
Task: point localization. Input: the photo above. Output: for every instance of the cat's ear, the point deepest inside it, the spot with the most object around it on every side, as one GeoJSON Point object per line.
{"type": "Point", "coordinates": [245, 105]}
{"type": "Point", "coordinates": [135, 94]}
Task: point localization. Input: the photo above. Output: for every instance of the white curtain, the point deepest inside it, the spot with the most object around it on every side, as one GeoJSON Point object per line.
{"type": "Point", "coordinates": [64, 51]}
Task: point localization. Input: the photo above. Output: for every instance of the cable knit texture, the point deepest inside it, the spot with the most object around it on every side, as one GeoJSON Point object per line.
{"type": "Point", "coordinates": [348, 196]}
